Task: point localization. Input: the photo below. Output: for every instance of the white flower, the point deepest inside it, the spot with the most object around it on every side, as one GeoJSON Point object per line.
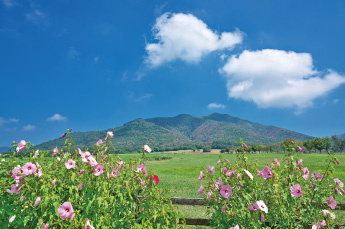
{"type": "Point", "coordinates": [3, 160]}
{"type": "Point", "coordinates": [36, 154]}
{"type": "Point", "coordinates": [147, 148]}
{"type": "Point", "coordinates": [58, 158]}
{"type": "Point", "coordinates": [38, 165]}
{"type": "Point", "coordinates": [12, 218]}
{"type": "Point", "coordinates": [261, 205]}
{"type": "Point", "coordinates": [249, 174]}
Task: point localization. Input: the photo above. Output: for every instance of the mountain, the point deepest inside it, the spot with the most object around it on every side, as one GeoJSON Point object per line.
{"type": "Point", "coordinates": [182, 131]}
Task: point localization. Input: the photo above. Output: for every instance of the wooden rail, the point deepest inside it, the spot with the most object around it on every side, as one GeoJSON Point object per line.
{"type": "Point", "coordinates": [207, 222]}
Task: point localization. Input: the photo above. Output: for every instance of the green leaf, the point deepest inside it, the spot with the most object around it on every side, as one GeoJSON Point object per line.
{"type": "Point", "coordinates": [26, 219]}
{"type": "Point", "coordinates": [73, 177]}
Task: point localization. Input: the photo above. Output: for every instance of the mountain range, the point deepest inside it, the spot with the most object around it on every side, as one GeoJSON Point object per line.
{"type": "Point", "coordinates": [182, 131]}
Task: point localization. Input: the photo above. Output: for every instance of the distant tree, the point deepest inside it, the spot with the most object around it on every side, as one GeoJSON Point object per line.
{"type": "Point", "coordinates": [286, 143]}
{"type": "Point", "coordinates": [309, 145]}
{"type": "Point", "coordinates": [319, 144]}
{"type": "Point", "coordinates": [339, 143]}
{"type": "Point", "coordinates": [327, 143]}
{"type": "Point", "coordinates": [206, 149]}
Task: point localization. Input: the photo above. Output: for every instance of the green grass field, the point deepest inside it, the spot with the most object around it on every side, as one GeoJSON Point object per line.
{"type": "Point", "coordinates": [180, 170]}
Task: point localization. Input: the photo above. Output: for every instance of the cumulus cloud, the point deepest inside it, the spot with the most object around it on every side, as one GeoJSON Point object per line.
{"type": "Point", "coordinates": [216, 106]}
{"type": "Point", "coordinates": [276, 78]}
{"type": "Point", "coordinates": [56, 117]}
{"type": "Point", "coordinates": [29, 127]}
{"type": "Point", "coordinates": [185, 37]}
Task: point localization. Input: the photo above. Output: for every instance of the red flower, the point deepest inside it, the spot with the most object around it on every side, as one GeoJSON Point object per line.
{"type": "Point", "coordinates": [63, 135]}
{"type": "Point", "coordinates": [155, 178]}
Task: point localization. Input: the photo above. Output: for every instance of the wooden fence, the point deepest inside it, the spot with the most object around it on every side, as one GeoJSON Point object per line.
{"type": "Point", "coordinates": [207, 222]}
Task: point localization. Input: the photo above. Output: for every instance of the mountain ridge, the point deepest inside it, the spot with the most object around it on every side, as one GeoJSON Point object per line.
{"type": "Point", "coordinates": [184, 130]}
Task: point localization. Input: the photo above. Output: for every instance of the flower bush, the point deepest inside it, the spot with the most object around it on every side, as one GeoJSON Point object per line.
{"type": "Point", "coordinates": [282, 195]}
{"type": "Point", "coordinates": [75, 189]}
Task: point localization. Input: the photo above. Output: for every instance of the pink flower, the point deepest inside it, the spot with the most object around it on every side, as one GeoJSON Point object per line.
{"type": "Point", "coordinates": [227, 160]}
{"type": "Point", "coordinates": [55, 151]}
{"type": "Point", "coordinates": [201, 175]}
{"type": "Point", "coordinates": [259, 173]}
{"type": "Point", "coordinates": [209, 194]}
{"type": "Point", "coordinates": [218, 162]}
{"type": "Point", "coordinates": [88, 225]}
{"type": "Point", "coordinates": [53, 182]}
{"type": "Point", "coordinates": [316, 176]}
{"type": "Point", "coordinates": [21, 198]}
{"type": "Point", "coordinates": [276, 161]}
{"type": "Point", "coordinates": [342, 191]}
{"type": "Point", "coordinates": [108, 177]}
{"type": "Point", "coordinates": [296, 190]}
{"type": "Point", "coordinates": [266, 172]}
{"type": "Point", "coordinates": [260, 205]}
{"type": "Point", "coordinates": [46, 226]}
{"type": "Point", "coordinates": [114, 173]}
{"type": "Point", "coordinates": [142, 183]}
{"type": "Point", "coordinates": [85, 156]}
{"type": "Point", "coordinates": [337, 181]}
{"type": "Point", "coordinates": [210, 170]}
{"type": "Point", "coordinates": [245, 146]}
{"type": "Point", "coordinates": [332, 203]}
{"type": "Point", "coordinates": [300, 162]}
{"type": "Point", "coordinates": [92, 160]}
{"type": "Point", "coordinates": [64, 135]}
{"type": "Point", "coordinates": [326, 212]}
{"type": "Point", "coordinates": [99, 169]}
{"type": "Point", "coordinates": [249, 174]}
{"type": "Point", "coordinates": [235, 227]}
{"type": "Point", "coordinates": [66, 210]}
{"type": "Point", "coordinates": [141, 168]}
{"type": "Point", "coordinates": [21, 146]}
{"type": "Point", "coordinates": [300, 149]}
{"type": "Point", "coordinates": [338, 162]}
{"type": "Point", "coordinates": [155, 178]}
{"type": "Point", "coordinates": [218, 184]}
{"type": "Point", "coordinates": [80, 186]}
{"type": "Point", "coordinates": [253, 207]}
{"type": "Point", "coordinates": [306, 173]}
{"type": "Point", "coordinates": [229, 174]}
{"type": "Point", "coordinates": [225, 170]}
{"type": "Point", "coordinates": [70, 164]}
{"type": "Point", "coordinates": [39, 173]}
{"type": "Point", "coordinates": [201, 190]}
{"type": "Point", "coordinates": [262, 218]}
{"type": "Point", "coordinates": [37, 202]}
{"type": "Point", "coordinates": [147, 148]}
{"type": "Point", "coordinates": [29, 169]}
{"type": "Point", "coordinates": [120, 164]}
{"type": "Point", "coordinates": [238, 176]}
{"type": "Point", "coordinates": [226, 191]}
{"type": "Point", "coordinates": [110, 134]}
{"type": "Point", "coordinates": [223, 209]}
{"type": "Point", "coordinates": [14, 189]}
{"type": "Point", "coordinates": [81, 172]}
{"type": "Point", "coordinates": [99, 142]}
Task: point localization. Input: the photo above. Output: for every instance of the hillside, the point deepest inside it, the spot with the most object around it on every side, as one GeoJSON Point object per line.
{"type": "Point", "coordinates": [216, 130]}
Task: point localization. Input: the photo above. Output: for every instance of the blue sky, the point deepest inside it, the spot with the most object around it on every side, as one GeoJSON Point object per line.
{"type": "Point", "coordinates": [94, 65]}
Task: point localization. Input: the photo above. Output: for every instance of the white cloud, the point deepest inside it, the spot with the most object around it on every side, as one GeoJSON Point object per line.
{"type": "Point", "coordinates": [10, 120]}
{"type": "Point", "coordinates": [9, 3]}
{"type": "Point", "coordinates": [73, 54]}
{"type": "Point", "coordinates": [29, 127]}
{"type": "Point", "coordinates": [276, 78]}
{"type": "Point", "coordinates": [139, 99]}
{"type": "Point", "coordinates": [96, 59]}
{"type": "Point", "coordinates": [185, 37]}
{"type": "Point", "coordinates": [36, 16]}
{"type": "Point", "coordinates": [216, 106]}
{"type": "Point", "coordinates": [56, 117]}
